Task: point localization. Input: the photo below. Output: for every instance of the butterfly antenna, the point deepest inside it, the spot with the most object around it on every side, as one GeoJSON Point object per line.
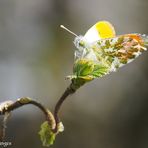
{"type": "Point", "coordinates": [67, 30]}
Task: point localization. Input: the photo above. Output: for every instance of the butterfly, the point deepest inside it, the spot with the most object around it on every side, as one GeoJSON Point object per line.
{"type": "Point", "coordinates": [100, 51]}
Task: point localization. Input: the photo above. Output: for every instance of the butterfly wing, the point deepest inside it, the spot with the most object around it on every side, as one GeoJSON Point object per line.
{"type": "Point", "coordinates": [101, 51]}
{"type": "Point", "coordinates": [100, 30]}
{"type": "Point", "coordinates": [119, 50]}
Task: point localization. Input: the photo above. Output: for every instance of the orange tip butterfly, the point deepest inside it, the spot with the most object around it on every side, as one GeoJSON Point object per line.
{"type": "Point", "coordinates": [101, 45]}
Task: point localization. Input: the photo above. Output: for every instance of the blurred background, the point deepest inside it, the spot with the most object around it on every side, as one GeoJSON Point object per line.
{"type": "Point", "coordinates": [36, 55]}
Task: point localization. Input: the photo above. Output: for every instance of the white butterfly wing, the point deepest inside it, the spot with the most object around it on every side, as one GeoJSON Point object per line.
{"type": "Point", "coordinates": [100, 30]}
{"type": "Point", "coordinates": [91, 35]}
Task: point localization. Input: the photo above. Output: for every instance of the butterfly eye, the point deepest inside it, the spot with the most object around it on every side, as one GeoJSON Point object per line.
{"type": "Point", "coordinates": [81, 43]}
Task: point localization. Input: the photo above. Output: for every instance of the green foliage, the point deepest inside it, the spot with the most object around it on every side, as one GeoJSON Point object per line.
{"type": "Point", "coordinates": [86, 70]}
{"type": "Point", "coordinates": [99, 71]}
{"type": "Point", "coordinates": [46, 134]}
{"type": "Point", "coordinates": [83, 67]}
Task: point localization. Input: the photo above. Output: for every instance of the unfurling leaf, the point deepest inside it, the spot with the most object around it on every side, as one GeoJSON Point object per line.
{"type": "Point", "coordinates": [99, 70]}
{"type": "Point", "coordinates": [46, 134]}
{"type": "Point", "coordinates": [86, 70]}
{"type": "Point", "coordinates": [83, 67]}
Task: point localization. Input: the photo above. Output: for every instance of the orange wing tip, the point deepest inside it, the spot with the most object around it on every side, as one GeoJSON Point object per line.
{"type": "Point", "coordinates": [137, 37]}
{"type": "Point", "coordinates": [141, 39]}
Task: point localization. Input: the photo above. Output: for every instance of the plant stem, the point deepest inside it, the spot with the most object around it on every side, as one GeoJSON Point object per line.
{"type": "Point", "coordinates": [68, 91]}
{"type": "Point", "coordinates": [8, 106]}
{"type": "Point", "coordinates": [3, 131]}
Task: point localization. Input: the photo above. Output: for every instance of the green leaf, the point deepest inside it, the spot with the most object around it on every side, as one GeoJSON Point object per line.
{"type": "Point", "coordinates": [99, 70]}
{"type": "Point", "coordinates": [83, 67]}
{"type": "Point", "coordinates": [46, 135]}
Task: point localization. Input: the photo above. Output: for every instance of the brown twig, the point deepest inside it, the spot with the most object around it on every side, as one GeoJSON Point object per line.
{"type": "Point", "coordinates": [68, 91]}
{"type": "Point", "coordinates": [8, 106]}
{"type": "Point", "coordinates": [5, 119]}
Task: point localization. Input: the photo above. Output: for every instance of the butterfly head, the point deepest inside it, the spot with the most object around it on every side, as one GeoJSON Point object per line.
{"type": "Point", "coordinates": [79, 42]}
